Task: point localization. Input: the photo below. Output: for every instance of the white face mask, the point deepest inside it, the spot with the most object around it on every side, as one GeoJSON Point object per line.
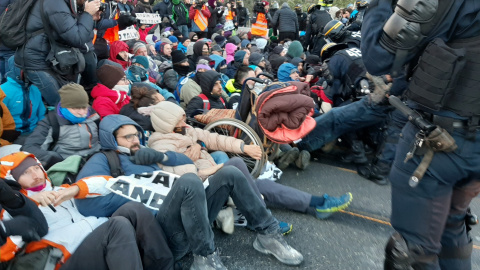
{"type": "Point", "coordinates": [122, 88]}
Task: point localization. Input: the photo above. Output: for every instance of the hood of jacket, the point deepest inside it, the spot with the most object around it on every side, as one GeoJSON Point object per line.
{"type": "Point", "coordinates": [109, 125]}
{"type": "Point", "coordinates": [115, 48]}
{"type": "Point", "coordinates": [284, 72]}
{"type": "Point", "coordinates": [230, 49]}
{"type": "Point", "coordinates": [295, 49]}
{"type": "Point", "coordinates": [218, 60]}
{"type": "Point", "coordinates": [207, 80]}
{"type": "Point", "coordinates": [197, 50]}
{"type": "Point", "coordinates": [165, 117]}
{"type": "Point", "coordinates": [116, 96]}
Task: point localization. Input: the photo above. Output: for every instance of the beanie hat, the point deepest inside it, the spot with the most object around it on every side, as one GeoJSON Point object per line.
{"type": "Point", "coordinates": [227, 34]}
{"type": "Point", "coordinates": [203, 63]}
{"type": "Point", "coordinates": [177, 33]}
{"type": "Point", "coordinates": [157, 46]}
{"type": "Point", "coordinates": [166, 116]}
{"type": "Point", "coordinates": [278, 49]}
{"type": "Point", "coordinates": [262, 43]}
{"type": "Point", "coordinates": [295, 49]}
{"type": "Point", "coordinates": [137, 46]}
{"type": "Point", "coordinates": [244, 43]}
{"type": "Point", "coordinates": [238, 57]}
{"type": "Point", "coordinates": [178, 57]}
{"type": "Point", "coordinates": [110, 75]}
{"type": "Point", "coordinates": [296, 61]}
{"type": "Point", "coordinates": [220, 40]}
{"type": "Point", "coordinates": [151, 39]}
{"type": "Point", "coordinates": [73, 95]}
{"type": "Point", "coordinates": [216, 48]}
{"type": "Point", "coordinates": [255, 58]}
{"type": "Point", "coordinates": [142, 60]}
{"type": "Point", "coordinates": [26, 163]}
{"type": "Point", "coordinates": [173, 39]}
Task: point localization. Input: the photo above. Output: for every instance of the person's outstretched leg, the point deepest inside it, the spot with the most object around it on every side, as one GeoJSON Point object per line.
{"type": "Point", "coordinates": [151, 240]}
{"type": "Point", "coordinates": [110, 246]}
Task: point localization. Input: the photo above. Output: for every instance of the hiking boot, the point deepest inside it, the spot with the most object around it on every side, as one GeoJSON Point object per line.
{"type": "Point", "coordinates": [303, 160]}
{"type": "Point", "coordinates": [376, 173]}
{"type": "Point", "coordinates": [276, 245]}
{"type": "Point", "coordinates": [285, 228]}
{"type": "Point", "coordinates": [288, 158]}
{"type": "Point", "coordinates": [225, 220]}
{"type": "Point", "coordinates": [210, 262]}
{"type": "Point", "coordinates": [332, 205]}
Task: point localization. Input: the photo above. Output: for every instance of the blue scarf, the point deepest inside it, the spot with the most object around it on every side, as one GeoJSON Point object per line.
{"type": "Point", "coordinates": [65, 113]}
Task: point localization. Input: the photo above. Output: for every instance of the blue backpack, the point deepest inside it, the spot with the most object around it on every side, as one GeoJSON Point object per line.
{"type": "Point", "coordinates": [181, 82]}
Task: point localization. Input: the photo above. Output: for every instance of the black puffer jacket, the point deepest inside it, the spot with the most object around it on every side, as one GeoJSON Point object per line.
{"type": "Point", "coordinates": [143, 7]}
{"type": "Point", "coordinates": [164, 9]}
{"type": "Point", "coordinates": [285, 20]}
{"type": "Point", "coordinates": [180, 14]}
{"type": "Point", "coordinates": [68, 29]}
{"type": "Point", "coordinates": [3, 5]}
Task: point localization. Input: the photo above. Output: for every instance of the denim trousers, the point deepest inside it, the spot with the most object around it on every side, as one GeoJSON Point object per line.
{"type": "Point", "coordinates": [189, 209]}
{"type": "Point", "coordinates": [341, 120]}
{"type": "Point", "coordinates": [46, 83]}
{"type": "Point", "coordinates": [432, 215]}
{"type": "Point", "coordinates": [183, 29]}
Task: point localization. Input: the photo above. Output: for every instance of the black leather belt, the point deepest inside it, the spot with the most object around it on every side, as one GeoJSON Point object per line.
{"type": "Point", "coordinates": [449, 123]}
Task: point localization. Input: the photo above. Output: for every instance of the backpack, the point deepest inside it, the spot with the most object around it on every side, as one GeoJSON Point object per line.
{"type": "Point", "coordinates": [178, 89]}
{"type": "Point", "coordinates": [206, 102]}
{"type": "Point", "coordinates": [13, 23]}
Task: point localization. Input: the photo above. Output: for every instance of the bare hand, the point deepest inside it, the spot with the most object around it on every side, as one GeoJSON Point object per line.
{"type": "Point", "coordinates": [253, 151]}
{"type": "Point", "coordinates": [97, 16]}
{"type": "Point", "coordinates": [44, 198]}
{"type": "Point", "coordinates": [308, 78]}
{"type": "Point", "coordinates": [66, 194]}
{"type": "Point", "coordinates": [194, 152]}
{"type": "Point", "coordinates": [92, 7]}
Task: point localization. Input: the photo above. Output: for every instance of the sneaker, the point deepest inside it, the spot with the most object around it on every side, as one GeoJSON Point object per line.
{"type": "Point", "coordinates": [276, 245]}
{"type": "Point", "coordinates": [285, 228]}
{"type": "Point", "coordinates": [288, 158]}
{"type": "Point", "coordinates": [303, 160]}
{"type": "Point", "coordinates": [332, 205]}
{"type": "Point", "coordinates": [225, 220]}
{"type": "Point", "coordinates": [210, 262]}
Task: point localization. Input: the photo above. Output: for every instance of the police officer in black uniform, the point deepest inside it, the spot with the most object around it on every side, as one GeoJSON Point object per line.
{"type": "Point", "coordinates": [302, 18]}
{"type": "Point", "coordinates": [335, 31]}
{"type": "Point", "coordinates": [318, 18]}
{"type": "Point", "coordinates": [441, 40]}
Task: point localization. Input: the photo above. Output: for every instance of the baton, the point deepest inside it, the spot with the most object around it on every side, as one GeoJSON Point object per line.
{"type": "Point", "coordinates": [413, 116]}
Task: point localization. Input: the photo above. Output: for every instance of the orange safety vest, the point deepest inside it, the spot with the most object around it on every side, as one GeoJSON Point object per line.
{"type": "Point", "coordinates": [111, 34]}
{"type": "Point", "coordinates": [260, 27]}
{"type": "Point", "coordinates": [200, 20]}
{"type": "Point", "coordinates": [229, 17]}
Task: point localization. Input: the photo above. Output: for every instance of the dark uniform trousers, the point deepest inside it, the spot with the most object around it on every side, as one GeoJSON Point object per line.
{"type": "Point", "coordinates": [432, 214]}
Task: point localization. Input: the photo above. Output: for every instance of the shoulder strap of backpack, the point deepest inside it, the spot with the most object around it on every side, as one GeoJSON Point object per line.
{"type": "Point", "coordinates": [113, 162]}
{"type": "Point", "coordinates": [53, 120]}
{"type": "Point", "coordinates": [206, 102]}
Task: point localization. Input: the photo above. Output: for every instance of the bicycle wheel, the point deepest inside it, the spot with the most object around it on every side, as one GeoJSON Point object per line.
{"type": "Point", "coordinates": [240, 130]}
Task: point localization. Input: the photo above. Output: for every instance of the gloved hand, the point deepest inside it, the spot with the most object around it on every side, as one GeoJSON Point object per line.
{"type": "Point", "coordinates": [147, 156]}
{"type": "Point", "coordinates": [125, 20]}
{"type": "Point", "coordinates": [21, 225]}
{"type": "Point", "coordinates": [9, 197]}
{"type": "Point", "coordinates": [381, 90]}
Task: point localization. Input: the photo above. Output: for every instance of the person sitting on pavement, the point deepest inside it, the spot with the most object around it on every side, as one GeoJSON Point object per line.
{"type": "Point", "coordinates": [112, 92]}
{"type": "Point", "coordinates": [71, 129]}
{"type": "Point", "coordinates": [188, 207]}
{"type": "Point", "coordinates": [140, 49]}
{"type": "Point", "coordinates": [8, 132]}
{"type": "Point", "coordinates": [288, 72]}
{"type": "Point", "coordinates": [183, 44]}
{"type": "Point", "coordinates": [144, 98]}
{"type": "Point", "coordinates": [173, 134]}
{"type": "Point", "coordinates": [230, 50]}
{"type": "Point", "coordinates": [240, 58]}
{"type": "Point", "coordinates": [257, 62]}
{"type": "Point", "coordinates": [24, 102]}
{"type": "Point", "coordinates": [138, 72]}
{"type": "Point", "coordinates": [130, 239]}
{"type": "Point", "coordinates": [211, 96]}
{"type": "Point", "coordinates": [119, 53]}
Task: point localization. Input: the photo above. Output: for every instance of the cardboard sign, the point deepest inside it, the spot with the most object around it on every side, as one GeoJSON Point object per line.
{"type": "Point", "coordinates": [147, 188]}
{"type": "Point", "coordinates": [128, 33]}
{"type": "Point", "coordinates": [149, 18]}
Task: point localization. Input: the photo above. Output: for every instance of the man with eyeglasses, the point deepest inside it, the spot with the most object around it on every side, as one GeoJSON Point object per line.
{"type": "Point", "coordinates": [189, 209]}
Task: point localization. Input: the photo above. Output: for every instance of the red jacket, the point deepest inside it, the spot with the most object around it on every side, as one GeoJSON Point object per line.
{"type": "Point", "coordinates": [107, 101]}
{"type": "Point", "coordinates": [143, 33]}
{"type": "Point", "coordinates": [193, 11]}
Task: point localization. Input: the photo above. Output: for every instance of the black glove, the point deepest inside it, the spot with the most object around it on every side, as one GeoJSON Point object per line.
{"type": "Point", "coordinates": [10, 198]}
{"type": "Point", "coordinates": [23, 226]}
{"type": "Point", "coordinates": [147, 156]}
{"type": "Point", "coordinates": [125, 20]}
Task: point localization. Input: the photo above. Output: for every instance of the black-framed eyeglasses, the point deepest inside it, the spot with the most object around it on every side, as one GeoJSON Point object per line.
{"type": "Point", "coordinates": [124, 79]}
{"type": "Point", "coordinates": [130, 137]}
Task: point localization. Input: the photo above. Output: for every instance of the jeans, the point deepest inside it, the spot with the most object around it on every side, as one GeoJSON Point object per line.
{"type": "Point", "coordinates": [341, 120]}
{"type": "Point", "coordinates": [130, 239]}
{"type": "Point", "coordinates": [47, 85]}
{"type": "Point", "coordinates": [219, 157]}
{"type": "Point", "coordinates": [189, 209]}
{"type": "Point", "coordinates": [184, 30]}
{"type": "Point", "coordinates": [432, 215]}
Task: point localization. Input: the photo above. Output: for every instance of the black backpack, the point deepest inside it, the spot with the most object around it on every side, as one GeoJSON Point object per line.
{"type": "Point", "coordinates": [13, 23]}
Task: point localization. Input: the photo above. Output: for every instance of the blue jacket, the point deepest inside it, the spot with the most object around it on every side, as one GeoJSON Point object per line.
{"type": "Point", "coordinates": [25, 104]}
{"type": "Point", "coordinates": [284, 72]}
{"type": "Point", "coordinates": [104, 206]}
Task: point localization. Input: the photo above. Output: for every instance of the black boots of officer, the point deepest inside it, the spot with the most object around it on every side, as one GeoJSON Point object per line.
{"type": "Point", "coordinates": [376, 172]}
{"type": "Point", "coordinates": [357, 155]}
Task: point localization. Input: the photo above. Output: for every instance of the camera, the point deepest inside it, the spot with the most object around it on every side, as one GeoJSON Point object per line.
{"type": "Point", "coordinates": [259, 7]}
{"type": "Point", "coordinates": [199, 4]}
{"type": "Point", "coordinates": [102, 7]}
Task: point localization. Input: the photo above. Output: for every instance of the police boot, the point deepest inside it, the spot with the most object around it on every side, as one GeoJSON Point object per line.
{"type": "Point", "coordinates": [376, 173]}
{"type": "Point", "coordinates": [358, 154]}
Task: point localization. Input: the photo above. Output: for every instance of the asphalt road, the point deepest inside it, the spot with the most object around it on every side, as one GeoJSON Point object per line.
{"type": "Point", "coordinates": [354, 239]}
